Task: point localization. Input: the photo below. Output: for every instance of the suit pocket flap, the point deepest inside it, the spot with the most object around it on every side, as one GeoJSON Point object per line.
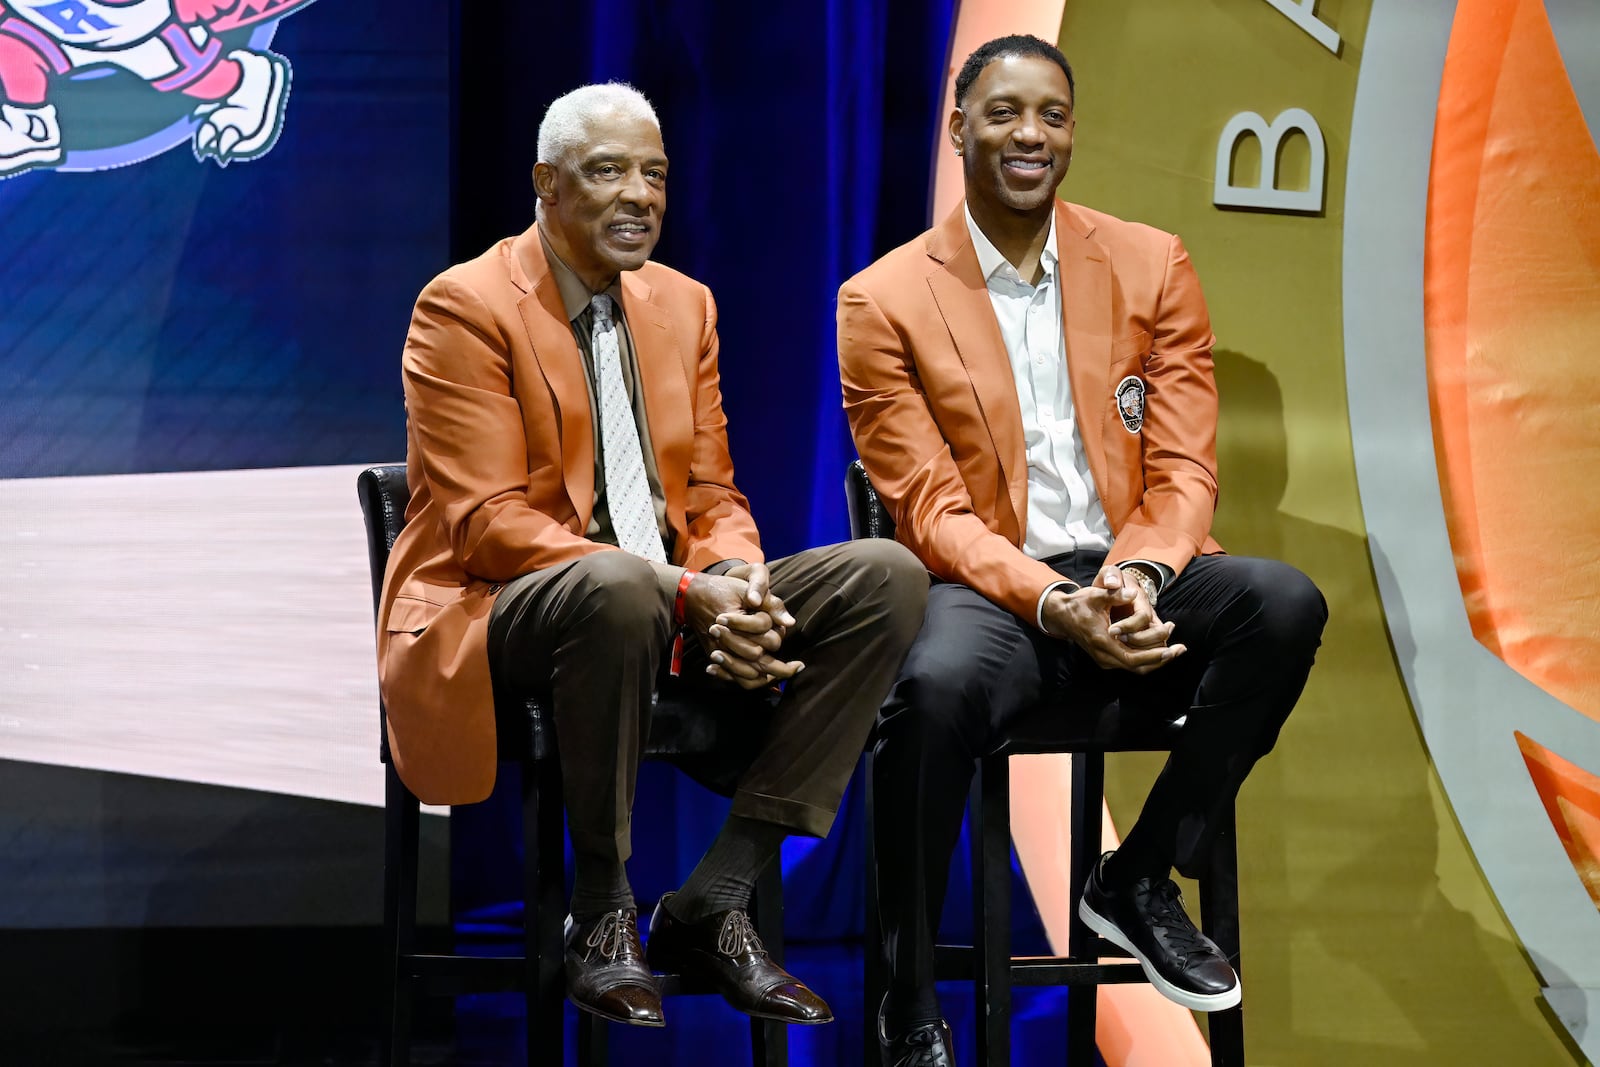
{"type": "Point", "coordinates": [410, 615]}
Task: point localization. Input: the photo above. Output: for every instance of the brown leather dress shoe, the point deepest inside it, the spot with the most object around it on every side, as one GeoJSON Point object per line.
{"type": "Point", "coordinates": [724, 951]}
{"type": "Point", "coordinates": [606, 972]}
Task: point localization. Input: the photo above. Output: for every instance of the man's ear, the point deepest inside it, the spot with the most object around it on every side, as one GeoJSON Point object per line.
{"type": "Point", "coordinates": [956, 126]}
{"type": "Point", "coordinates": [544, 182]}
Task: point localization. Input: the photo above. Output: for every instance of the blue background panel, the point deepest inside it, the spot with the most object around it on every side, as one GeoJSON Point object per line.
{"type": "Point", "coordinates": [174, 315]}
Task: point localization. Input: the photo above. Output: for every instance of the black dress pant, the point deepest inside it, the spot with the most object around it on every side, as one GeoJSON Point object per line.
{"type": "Point", "coordinates": [1251, 627]}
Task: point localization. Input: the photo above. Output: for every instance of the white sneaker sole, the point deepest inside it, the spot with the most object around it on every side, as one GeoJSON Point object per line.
{"type": "Point", "coordinates": [1193, 1001]}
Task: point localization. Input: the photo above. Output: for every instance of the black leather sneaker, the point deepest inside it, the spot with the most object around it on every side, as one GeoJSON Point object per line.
{"type": "Point", "coordinates": [1148, 920]}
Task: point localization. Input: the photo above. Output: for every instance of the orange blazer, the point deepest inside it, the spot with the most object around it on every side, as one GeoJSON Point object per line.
{"type": "Point", "coordinates": [500, 461]}
{"type": "Point", "coordinates": [932, 403]}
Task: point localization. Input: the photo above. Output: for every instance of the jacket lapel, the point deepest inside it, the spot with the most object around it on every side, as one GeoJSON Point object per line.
{"type": "Point", "coordinates": [963, 299]}
{"type": "Point", "coordinates": [664, 376]}
{"type": "Point", "coordinates": [556, 353]}
{"type": "Point", "coordinates": [1086, 311]}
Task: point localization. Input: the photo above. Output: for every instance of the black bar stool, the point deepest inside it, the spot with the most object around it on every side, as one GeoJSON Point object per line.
{"type": "Point", "coordinates": [526, 737]}
{"type": "Point", "coordinates": [1087, 735]}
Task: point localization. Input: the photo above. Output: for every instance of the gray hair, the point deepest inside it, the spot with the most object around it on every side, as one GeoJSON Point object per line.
{"type": "Point", "coordinates": [566, 121]}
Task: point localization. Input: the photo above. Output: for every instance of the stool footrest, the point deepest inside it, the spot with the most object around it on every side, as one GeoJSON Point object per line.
{"type": "Point", "coordinates": [959, 962]}
{"type": "Point", "coordinates": [452, 975]}
{"type": "Point", "coordinates": [1061, 970]}
{"type": "Point", "coordinates": [676, 985]}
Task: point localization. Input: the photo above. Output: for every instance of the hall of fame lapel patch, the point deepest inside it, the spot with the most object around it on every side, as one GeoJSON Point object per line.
{"type": "Point", "coordinates": [1130, 403]}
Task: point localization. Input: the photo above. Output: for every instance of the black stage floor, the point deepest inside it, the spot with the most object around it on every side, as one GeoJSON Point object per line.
{"type": "Point", "coordinates": [290, 998]}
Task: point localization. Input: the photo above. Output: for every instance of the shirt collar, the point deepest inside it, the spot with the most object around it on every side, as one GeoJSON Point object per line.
{"type": "Point", "coordinates": [575, 296]}
{"type": "Point", "coordinates": [989, 258]}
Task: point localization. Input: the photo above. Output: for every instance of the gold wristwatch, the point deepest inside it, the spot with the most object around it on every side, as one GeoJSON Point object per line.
{"type": "Point", "coordinates": [1147, 583]}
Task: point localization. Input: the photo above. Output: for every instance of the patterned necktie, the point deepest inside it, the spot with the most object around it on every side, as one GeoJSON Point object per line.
{"type": "Point", "coordinates": [633, 514]}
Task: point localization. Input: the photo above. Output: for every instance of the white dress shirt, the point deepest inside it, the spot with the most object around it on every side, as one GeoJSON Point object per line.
{"type": "Point", "coordinates": [1064, 512]}
{"type": "Point", "coordinates": [1064, 509]}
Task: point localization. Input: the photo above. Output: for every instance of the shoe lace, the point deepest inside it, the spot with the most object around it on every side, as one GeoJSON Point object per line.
{"type": "Point", "coordinates": [738, 936]}
{"type": "Point", "coordinates": [1177, 929]}
{"type": "Point", "coordinates": [615, 935]}
{"type": "Point", "coordinates": [920, 1044]}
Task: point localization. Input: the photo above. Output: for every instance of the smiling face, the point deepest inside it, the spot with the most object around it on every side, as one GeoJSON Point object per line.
{"type": "Point", "coordinates": [603, 200]}
{"type": "Point", "coordinates": [1014, 132]}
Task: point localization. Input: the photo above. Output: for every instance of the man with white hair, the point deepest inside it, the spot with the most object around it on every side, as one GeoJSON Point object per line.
{"type": "Point", "coordinates": [573, 508]}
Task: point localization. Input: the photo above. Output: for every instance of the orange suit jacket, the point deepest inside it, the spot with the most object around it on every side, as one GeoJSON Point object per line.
{"type": "Point", "coordinates": [500, 461]}
{"type": "Point", "coordinates": [932, 402]}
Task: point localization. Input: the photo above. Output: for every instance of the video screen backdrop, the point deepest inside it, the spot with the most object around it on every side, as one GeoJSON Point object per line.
{"type": "Point", "coordinates": [215, 217]}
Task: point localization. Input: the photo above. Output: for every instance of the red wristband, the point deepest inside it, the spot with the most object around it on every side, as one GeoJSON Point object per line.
{"type": "Point", "coordinates": [677, 602]}
{"type": "Point", "coordinates": [678, 621]}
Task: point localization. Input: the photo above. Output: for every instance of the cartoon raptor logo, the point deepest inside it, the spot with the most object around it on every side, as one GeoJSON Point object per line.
{"type": "Point", "coordinates": [95, 84]}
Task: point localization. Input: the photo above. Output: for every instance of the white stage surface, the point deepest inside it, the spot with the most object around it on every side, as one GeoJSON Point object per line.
{"type": "Point", "coordinates": [209, 627]}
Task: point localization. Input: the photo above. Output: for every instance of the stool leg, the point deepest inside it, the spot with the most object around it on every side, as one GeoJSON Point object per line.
{"type": "Point", "coordinates": [1219, 915]}
{"type": "Point", "coordinates": [594, 1041]}
{"type": "Point", "coordinates": [1088, 788]}
{"type": "Point", "coordinates": [769, 1039]}
{"type": "Point", "coordinates": [875, 979]}
{"type": "Point", "coordinates": [544, 909]}
{"type": "Point", "coordinates": [401, 827]}
{"type": "Point", "coordinates": [991, 919]}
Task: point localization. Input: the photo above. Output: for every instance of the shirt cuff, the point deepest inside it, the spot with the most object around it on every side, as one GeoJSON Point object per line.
{"type": "Point", "coordinates": [667, 577]}
{"type": "Point", "coordinates": [1038, 610]}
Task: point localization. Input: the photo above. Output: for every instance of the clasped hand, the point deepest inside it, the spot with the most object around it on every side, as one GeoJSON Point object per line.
{"type": "Point", "coordinates": [741, 623]}
{"type": "Point", "coordinates": [1114, 622]}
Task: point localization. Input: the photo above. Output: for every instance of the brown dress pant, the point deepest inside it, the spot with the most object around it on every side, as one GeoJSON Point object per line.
{"type": "Point", "coordinates": [592, 635]}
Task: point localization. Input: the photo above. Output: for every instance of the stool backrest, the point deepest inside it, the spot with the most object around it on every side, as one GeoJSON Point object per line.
{"type": "Point", "coordinates": [384, 494]}
{"type": "Point", "coordinates": [868, 516]}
